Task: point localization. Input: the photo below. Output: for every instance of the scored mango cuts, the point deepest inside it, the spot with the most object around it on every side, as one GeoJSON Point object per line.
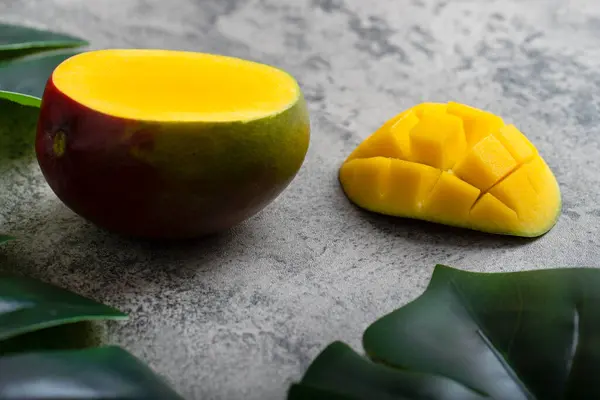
{"type": "Point", "coordinates": [456, 165]}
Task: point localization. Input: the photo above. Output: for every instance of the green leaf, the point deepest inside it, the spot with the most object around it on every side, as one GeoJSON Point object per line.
{"type": "Point", "coordinates": [340, 373]}
{"type": "Point", "coordinates": [18, 125]}
{"type": "Point", "coordinates": [28, 305]}
{"type": "Point", "coordinates": [20, 98]}
{"type": "Point", "coordinates": [17, 41]}
{"type": "Point", "coordinates": [6, 238]}
{"type": "Point", "coordinates": [99, 373]}
{"type": "Point", "coordinates": [70, 336]}
{"type": "Point", "coordinates": [519, 335]}
{"type": "Point", "coordinates": [29, 75]}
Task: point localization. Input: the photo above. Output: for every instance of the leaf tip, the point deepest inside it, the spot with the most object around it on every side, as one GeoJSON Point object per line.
{"type": "Point", "coordinates": [21, 98]}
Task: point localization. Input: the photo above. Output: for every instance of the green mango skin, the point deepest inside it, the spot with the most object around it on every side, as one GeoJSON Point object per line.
{"type": "Point", "coordinates": [166, 180]}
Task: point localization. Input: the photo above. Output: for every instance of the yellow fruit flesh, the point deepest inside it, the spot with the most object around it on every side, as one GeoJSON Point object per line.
{"type": "Point", "coordinates": [455, 165]}
{"type": "Point", "coordinates": [167, 85]}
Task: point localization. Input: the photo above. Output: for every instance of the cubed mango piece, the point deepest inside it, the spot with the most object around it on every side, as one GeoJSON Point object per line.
{"type": "Point", "coordinates": [465, 111]}
{"type": "Point", "coordinates": [409, 185]}
{"type": "Point", "coordinates": [438, 140]}
{"type": "Point", "coordinates": [436, 108]}
{"type": "Point", "coordinates": [388, 141]}
{"type": "Point", "coordinates": [450, 200]}
{"type": "Point", "coordinates": [477, 123]}
{"type": "Point", "coordinates": [485, 164]}
{"type": "Point", "coordinates": [491, 215]}
{"type": "Point", "coordinates": [533, 193]}
{"type": "Point", "coordinates": [516, 143]}
{"type": "Point", "coordinates": [401, 132]}
{"type": "Point", "coordinates": [366, 180]}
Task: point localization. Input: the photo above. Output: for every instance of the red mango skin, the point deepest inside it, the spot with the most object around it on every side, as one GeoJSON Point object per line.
{"type": "Point", "coordinates": [165, 180]}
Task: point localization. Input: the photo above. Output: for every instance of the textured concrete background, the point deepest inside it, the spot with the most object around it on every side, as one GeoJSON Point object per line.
{"type": "Point", "coordinates": [241, 315]}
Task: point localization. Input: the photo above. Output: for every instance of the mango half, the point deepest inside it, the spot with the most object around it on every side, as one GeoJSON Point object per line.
{"type": "Point", "coordinates": [169, 144]}
{"type": "Point", "coordinates": [456, 165]}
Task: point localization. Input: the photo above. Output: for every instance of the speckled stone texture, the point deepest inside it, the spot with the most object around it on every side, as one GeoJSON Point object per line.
{"type": "Point", "coordinates": [241, 315]}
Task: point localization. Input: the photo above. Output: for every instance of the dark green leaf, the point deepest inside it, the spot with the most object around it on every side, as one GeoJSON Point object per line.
{"type": "Point", "coordinates": [29, 75]}
{"type": "Point", "coordinates": [339, 373]}
{"type": "Point", "coordinates": [17, 132]}
{"type": "Point", "coordinates": [28, 305]}
{"type": "Point", "coordinates": [6, 238]}
{"type": "Point", "coordinates": [17, 41]}
{"type": "Point", "coordinates": [520, 335]}
{"type": "Point", "coordinates": [78, 335]}
{"type": "Point", "coordinates": [99, 373]}
{"type": "Point", "coordinates": [20, 98]}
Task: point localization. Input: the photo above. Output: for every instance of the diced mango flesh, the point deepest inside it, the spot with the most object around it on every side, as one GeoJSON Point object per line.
{"type": "Point", "coordinates": [494, 214]}
{"type": "Point", "coordinates": [531, 191]}
{"type": "Point", "coordinates": [430, 108]}
{"type": "Point", "coordinates": [367, 180]}
{"type": "Point", "coordinates": [451, 199]}
{"type": "Point", "coordinates": [477, 123]}
{"type": "Point", "coordinates": [437, 140]}
{"type": "Point", "coordinates": [516, 143]}
{"type": "Point", "coordinates": [485, 164]}
{"type": "Point", "coordinates": [370, 182]}
{"type": "Point", "coordinates": [456, 165]}
{"type": "Point", "coordinates": [391, 140]}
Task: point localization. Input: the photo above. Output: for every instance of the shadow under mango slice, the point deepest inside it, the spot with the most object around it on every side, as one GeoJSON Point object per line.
{"type": "Point", "coordinates": [455, 165]}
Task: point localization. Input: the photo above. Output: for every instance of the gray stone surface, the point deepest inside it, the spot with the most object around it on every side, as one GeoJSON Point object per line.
{"type": "Point", "coordinates": [241, 315]}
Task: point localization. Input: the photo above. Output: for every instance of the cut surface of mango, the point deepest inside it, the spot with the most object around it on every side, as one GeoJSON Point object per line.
{"type": "Point", "coordinates": [175, 86]}
{"type": "Point", "coordinates": [456, 165]}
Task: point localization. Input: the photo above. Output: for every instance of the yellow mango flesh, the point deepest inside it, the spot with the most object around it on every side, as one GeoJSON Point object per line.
{"type": "Point", "coordinates": [456, 165]}
{"type": "Point", "coordinates": [179, 86]}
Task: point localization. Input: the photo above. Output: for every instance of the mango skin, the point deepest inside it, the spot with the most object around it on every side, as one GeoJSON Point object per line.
{"type": "Point", "coordinates": [166, 179]}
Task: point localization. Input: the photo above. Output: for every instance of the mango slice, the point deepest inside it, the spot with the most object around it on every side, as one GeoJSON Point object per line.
{"type": "Point", "coordinates": [456, 165]}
